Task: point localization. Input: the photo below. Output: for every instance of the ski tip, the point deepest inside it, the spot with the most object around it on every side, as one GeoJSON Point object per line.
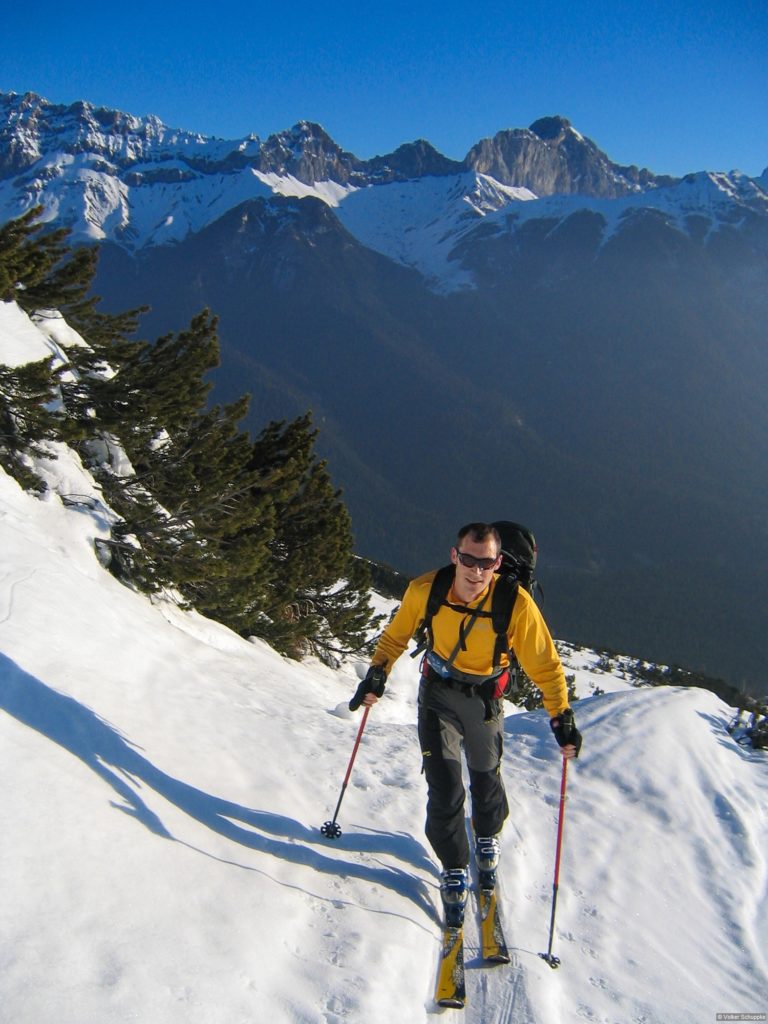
{"type": "Point", "coordinates": [498, 958]}
{"type": "Point", "coordinates": [451, 1003]}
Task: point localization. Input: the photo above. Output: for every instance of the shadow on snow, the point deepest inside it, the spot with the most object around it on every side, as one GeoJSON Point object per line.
{"type": "Point", "coordinates": [79, 730]}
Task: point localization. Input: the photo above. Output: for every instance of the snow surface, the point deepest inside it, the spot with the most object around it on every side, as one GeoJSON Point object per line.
{"type": "Point", "coordinates": [21, 341]}
{"type": "Point", "coordinates": [419, 223]}
{"type": "Point", "coordinates": [164, 782]}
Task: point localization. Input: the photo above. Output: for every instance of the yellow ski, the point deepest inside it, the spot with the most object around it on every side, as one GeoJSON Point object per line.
{"type": "Point", "coordinates": [491, 933]}
{"type": "Point", "coordinates": [450, 989]}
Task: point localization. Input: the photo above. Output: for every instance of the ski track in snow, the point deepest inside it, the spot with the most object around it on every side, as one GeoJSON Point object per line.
{"type": "Point", "coordinates": [8, 584]}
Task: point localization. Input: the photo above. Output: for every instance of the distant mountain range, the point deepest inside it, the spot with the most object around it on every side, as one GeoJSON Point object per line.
{"type": "Point", "coordinates": [534, 333]}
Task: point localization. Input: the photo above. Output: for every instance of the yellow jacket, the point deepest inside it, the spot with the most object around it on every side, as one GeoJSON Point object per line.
{"type": "Point", "coordinates": [528, 637]}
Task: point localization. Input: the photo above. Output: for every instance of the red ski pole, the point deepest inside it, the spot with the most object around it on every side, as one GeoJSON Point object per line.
{"type": "Point", "coordinates": [554, 961]}
{"type": "Point", "coordinates": [331, 830]}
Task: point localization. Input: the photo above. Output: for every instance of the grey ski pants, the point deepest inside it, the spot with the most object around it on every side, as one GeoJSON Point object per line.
{"type": "Point", "coordinates": [448, 722]}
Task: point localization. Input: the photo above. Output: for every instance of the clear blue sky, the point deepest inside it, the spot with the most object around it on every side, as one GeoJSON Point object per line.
{"type": "Point", "coordinates": [676, 87]}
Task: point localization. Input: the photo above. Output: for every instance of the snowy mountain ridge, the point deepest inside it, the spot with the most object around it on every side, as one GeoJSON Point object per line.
{"type": "Point", "coordinates": [136, 182]}
{"type": "Point", "coordinates": [165, 781]}
{"type": "Point", "coordinates": [32, 128]}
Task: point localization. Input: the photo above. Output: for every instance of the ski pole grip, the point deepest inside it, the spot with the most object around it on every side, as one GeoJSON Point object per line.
{"type": "Point", "coordinates": [374, 682]}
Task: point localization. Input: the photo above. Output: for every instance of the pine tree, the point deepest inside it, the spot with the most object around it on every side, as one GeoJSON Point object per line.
{"type": "Point", "coordinates": [189, 503]}
{"type": "Point", "coordinates": [318, 597]}
{"type": "Point", "coordinates": [37, 271]}
{"type": "Point", "coordinates": [27, 394]}
{"type": "Point", "coordinates": [29, 256]}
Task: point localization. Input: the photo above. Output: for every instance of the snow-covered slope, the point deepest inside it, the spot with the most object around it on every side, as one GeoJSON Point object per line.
{"type": "Point", "coordinates": [419, 223]}
{"type": "Point", "coordinates": [164, 782]}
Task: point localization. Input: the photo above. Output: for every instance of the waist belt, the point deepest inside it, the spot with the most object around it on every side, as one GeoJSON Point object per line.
{"type": "Point", "coordinates": [437, 669]}
{"type": "Point", "coordinates": [480, 686]}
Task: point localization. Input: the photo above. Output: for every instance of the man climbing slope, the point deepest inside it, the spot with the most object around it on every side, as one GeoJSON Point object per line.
{"type": "Point", "coordinates": [463, 678]}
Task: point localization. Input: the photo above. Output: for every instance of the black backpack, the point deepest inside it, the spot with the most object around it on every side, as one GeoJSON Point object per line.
{"type": "Point", "coordinates": [518, 562]}
{"type": "Point", "coordinates": [518, 553]}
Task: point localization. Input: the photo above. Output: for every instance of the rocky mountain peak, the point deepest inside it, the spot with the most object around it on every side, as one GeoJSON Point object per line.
{"type": "Point", "coordinates": [550, 129]}
{"type": "Point", "coordinates": [412, 160]}
{"type": "Point", "coordinates": [552, 158]}
{"type": "Point", "coordinates": [31, 127]}
{"type": "Point", "coordinates": [308, 153]}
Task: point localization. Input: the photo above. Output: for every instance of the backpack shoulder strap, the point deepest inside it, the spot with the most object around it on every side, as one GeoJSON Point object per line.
{"type": "Point", "coordinates": [438, 593]}
{"type": "Point", "coordinates": [438, 596]}
{"type": "Point", "coordinates": [504, 597]}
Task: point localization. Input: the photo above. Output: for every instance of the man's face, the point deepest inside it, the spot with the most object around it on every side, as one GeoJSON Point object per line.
{"type": "Point", "coordinates": [471, 580]}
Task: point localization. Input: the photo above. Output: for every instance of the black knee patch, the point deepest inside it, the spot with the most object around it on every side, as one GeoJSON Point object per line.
{"type": "Point", "coordinates": [489, 802]}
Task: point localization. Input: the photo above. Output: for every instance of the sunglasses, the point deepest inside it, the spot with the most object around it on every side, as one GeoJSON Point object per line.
{"type": "Point", "coordinates": [470, 562]}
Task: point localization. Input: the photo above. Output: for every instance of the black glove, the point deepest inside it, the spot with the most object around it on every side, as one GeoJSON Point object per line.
{"type": "Point", "coordinates": [374, 681]}
{"type": "Point", "coordinates": [564, 728]}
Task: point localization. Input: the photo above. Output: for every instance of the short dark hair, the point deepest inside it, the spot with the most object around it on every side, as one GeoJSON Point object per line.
{"type": "Point", "coordinates": [479, 532]}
